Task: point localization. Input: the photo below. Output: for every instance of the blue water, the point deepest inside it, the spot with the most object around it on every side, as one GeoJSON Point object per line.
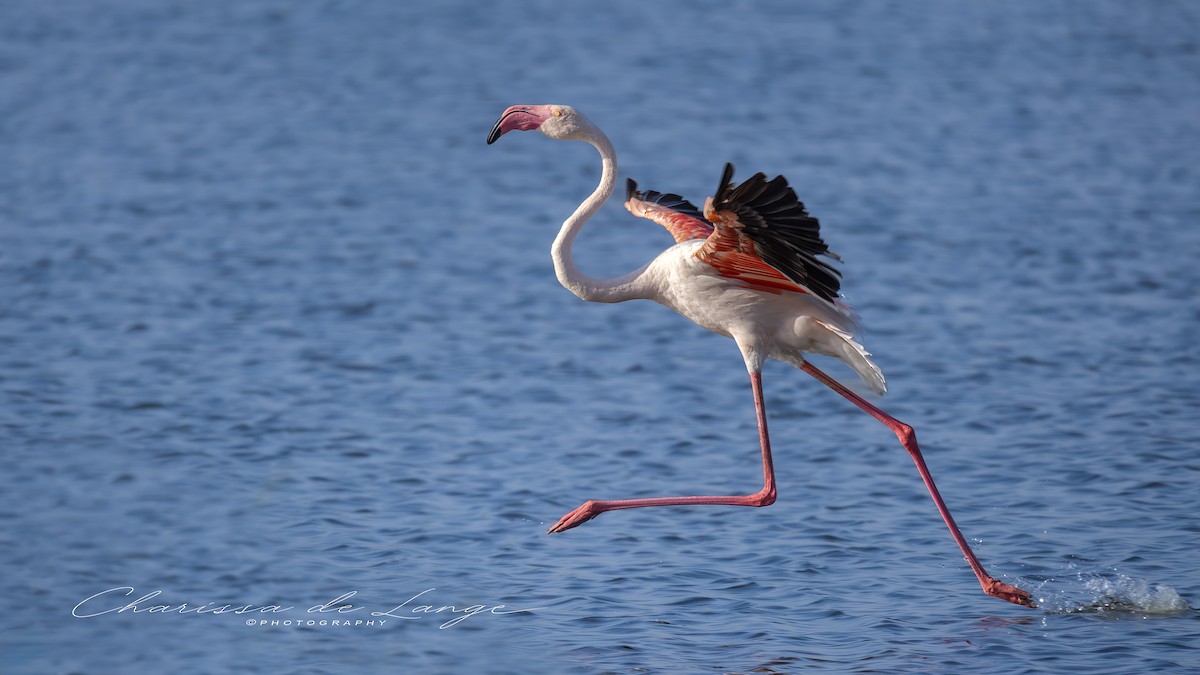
{"type": "Point", "coordinates": [277, 326]}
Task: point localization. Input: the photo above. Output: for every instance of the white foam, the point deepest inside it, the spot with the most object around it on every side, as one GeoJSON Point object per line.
{"type": "Point", "coordinates": [1127, 594]}
{"type": "Point", "coordinates": [1110, 593]}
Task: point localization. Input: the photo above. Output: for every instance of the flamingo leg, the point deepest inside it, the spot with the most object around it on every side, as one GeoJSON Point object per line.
{"type": "Point", "coordinates": [764, 497]}
{"type": "Point", "coordinates": [908, 438]}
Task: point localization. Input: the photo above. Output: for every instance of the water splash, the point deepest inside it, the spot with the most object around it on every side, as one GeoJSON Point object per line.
{"type": "Point", "coordinates": [1112, 593]}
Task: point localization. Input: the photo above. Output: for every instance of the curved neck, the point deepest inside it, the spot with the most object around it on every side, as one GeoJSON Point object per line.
{"type": "Point", "coordinates": [590, 288]}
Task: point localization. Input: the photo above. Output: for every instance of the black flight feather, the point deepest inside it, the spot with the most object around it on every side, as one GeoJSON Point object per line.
{"type": "Point", "coordinates": [787, 237]}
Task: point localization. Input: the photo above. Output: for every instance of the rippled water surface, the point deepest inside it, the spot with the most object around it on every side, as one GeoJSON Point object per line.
{"type": "Point", "coordinates": [276, 326]}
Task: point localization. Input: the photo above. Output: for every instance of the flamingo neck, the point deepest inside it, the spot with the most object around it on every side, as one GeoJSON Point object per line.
{"type": "Point", "coordinates": [569, 275]}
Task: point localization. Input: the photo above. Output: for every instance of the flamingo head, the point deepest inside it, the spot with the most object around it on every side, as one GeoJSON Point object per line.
{"type": "Point", "coordinates": [560, 122]}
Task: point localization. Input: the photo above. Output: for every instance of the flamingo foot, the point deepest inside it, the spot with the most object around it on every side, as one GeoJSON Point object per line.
{"type": "Point", "coordinates": [586, 511]}
{"type": "Point", "coordinates": [999, 589]}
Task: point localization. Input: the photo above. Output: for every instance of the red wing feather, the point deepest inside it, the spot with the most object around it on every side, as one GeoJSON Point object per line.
{"type": "Point", "coordinates": [683, 220]}
{"type": "Point", "coordinates": [736, 256]}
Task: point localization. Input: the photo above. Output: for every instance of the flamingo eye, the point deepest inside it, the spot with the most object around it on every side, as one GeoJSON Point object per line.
{"type": "Point", "coordinates": [557, 112]}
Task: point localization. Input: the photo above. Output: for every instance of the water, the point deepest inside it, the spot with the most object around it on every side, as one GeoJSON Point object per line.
{"type": "Point", "coordinates": [276, 326]}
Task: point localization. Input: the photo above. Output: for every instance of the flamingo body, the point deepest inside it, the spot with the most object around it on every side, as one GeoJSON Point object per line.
{"type": "Point", "coordinates": [783, 326]}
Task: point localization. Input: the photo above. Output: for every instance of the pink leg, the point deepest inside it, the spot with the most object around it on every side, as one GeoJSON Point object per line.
{"type": "Point", "coordinates": [908, 438]}
{"type": "Point", "coordinates": [764, 497]}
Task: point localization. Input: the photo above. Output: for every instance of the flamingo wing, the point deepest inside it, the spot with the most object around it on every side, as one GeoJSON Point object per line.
{"type": "Point", "coordinates": [764, 236]}
{"type": "Point", "coordinates": [681, 218]}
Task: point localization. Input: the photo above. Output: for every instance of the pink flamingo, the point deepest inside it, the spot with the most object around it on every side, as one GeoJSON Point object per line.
{"type": "Point", "coordinates": [745, 267]}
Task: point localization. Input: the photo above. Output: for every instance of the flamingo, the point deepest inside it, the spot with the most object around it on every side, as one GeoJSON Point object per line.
{"type": "Point", "coordinates": [748, 266]}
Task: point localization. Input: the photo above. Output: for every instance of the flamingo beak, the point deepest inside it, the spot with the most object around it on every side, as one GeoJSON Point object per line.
{"type": "Point", "coordinates": [496, 132]}
{"type": "Point", "coordinates": [519, 118]}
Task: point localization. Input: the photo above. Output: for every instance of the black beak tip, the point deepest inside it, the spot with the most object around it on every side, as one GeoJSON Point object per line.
{"type": "Point", "coordinates": [495, 134]}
